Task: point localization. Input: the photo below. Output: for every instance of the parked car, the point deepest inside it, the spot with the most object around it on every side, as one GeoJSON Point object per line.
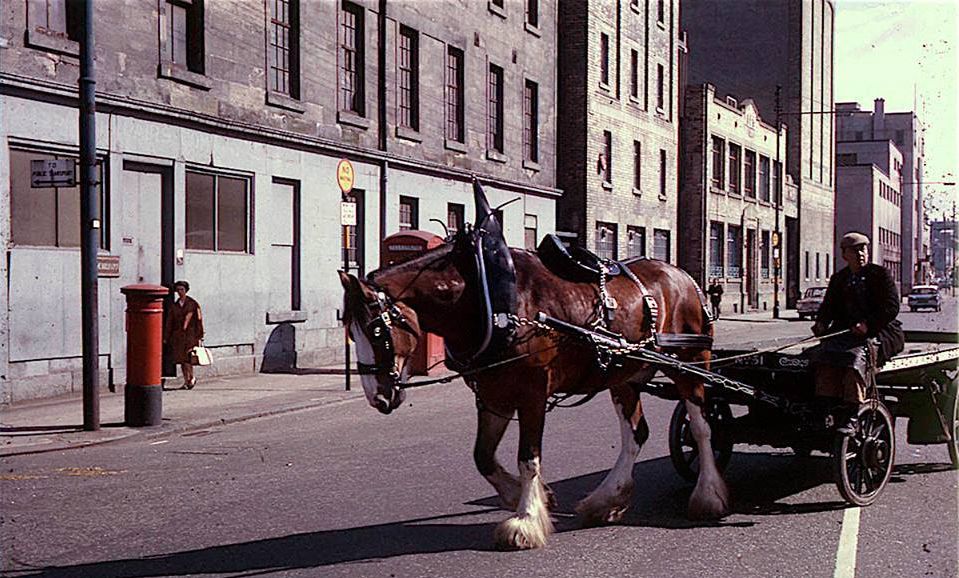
{"type": "Point", "coordinates": [808, 306]}
{"type": "Point", "coordinates": [924, 296]}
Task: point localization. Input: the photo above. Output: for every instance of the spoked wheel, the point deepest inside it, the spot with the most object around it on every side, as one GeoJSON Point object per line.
{"type": "Point", "coordinates": [682, 445]}
{"type": "Point", "coordinates": [863, 461]}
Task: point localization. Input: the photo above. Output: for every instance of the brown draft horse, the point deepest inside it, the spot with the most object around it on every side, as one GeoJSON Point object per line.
{"type": "Point", "coordinates": [432, 293]}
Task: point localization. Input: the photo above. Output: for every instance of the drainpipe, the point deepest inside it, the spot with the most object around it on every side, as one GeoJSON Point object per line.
{"type": "Point", "coordinates": [382, 127]}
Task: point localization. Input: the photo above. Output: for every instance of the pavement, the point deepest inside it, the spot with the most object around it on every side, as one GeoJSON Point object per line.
{"type": "Point", "coordinates": [55, 424]}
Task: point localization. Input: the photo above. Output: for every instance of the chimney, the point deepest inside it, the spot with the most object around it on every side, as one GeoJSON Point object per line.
{"type": "Point", "coordinates": [878, 117]}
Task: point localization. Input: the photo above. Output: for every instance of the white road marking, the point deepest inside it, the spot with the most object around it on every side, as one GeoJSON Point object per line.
{"type": "Point", "coordinates": [848, 541]}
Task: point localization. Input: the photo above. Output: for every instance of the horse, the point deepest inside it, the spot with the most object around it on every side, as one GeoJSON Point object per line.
{"type": "Point", "coordinates": [388, 312]}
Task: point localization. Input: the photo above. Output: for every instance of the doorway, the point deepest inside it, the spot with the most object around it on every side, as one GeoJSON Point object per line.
{"type": "Point", "coordinates": [752, 293]}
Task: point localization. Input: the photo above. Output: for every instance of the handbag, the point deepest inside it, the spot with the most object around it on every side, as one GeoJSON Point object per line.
{"type": "Point", "coordinates": [200, 355]}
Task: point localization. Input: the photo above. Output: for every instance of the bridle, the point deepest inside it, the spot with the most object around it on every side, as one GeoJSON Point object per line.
{"type": "Point", "coordinates": [385, 314]}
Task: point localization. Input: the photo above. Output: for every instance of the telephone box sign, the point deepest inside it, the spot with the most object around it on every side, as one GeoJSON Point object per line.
{"type": "Point", "coordinates": [344, 175]}
{"type": "Point", "coordinates": [46, 173]}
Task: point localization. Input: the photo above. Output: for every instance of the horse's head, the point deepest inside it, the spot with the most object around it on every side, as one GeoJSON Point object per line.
{"type": "Point", "coordinates": [385, 332]}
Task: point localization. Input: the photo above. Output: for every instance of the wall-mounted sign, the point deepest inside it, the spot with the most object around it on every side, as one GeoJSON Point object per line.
{"type": "Point", "coordinates": [108, 265]}
{"type": "Point", "coordinates": [348, 214]}
{"type": "Point", "coordinates": [46, 173]}
{"type": "Point", "coordinates": [345, 175]}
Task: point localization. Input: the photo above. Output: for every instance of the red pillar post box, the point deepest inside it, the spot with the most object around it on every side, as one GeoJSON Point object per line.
{"type": "Point", "coordinates": [143, 394]}
{"type": "Point", "coordinates": [401, 247]}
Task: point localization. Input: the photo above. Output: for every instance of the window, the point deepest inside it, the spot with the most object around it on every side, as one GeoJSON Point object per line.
{"type": "Point", "coordinates": [637, 165]}
{"type": "Point", "coordinates": [635, 242]}
{"type": "Point", "coordinates": [827, 265]}
{"type": "Point", "coordinates": [454, 95]}
{"type": "Point", "coordinates": [749, 174]}
{"type": "Point", "coordinates": [661, 11]}
{"type": "Point", "coordinates": [715, 249]}
{"type": "Point", "coordinates": [532, 13]}
{"type": "Point", "coordinates": [495, 109]}
{"type": "Point", "coordinates": [660, 89]}
{"type": "Point", "coordinates": [352, 60]}
{"type": "Point", "coordinates": [353, 237]}
{"type": "Point", "coordinates": [634, 74]}
{"type": "Point", "coordinates": [777, 181]}
{"type": "Point", "coordinates": [284, 48]}
{"type": "Point", "coordinates": [530, 223]}
{"type": "Point", "coordinates": [604, 58]}
{"type": "Point", "coordinates": [661, 248]}
{"type": "Point", "coordinates": [734, 251]}
{"type": "Point", "coordinates": [56, 19]}
{"type": "Point", "coordinates": [806, 276]}
{"type": "Point", "coordinates": [454, 217]}
{"type": "Point", "coordinates": [217, 212]}
{"type": "Point", "coordinates": [607, 157]}
{"type": "Point", "coordinates": [408, 68]}
{"type": "Point", "coordinates": [818, 276]}
{"type": "Point", "coordinates": [734, 160]}
{"type": "Point", "coordinates": [606, 240]}
{"type": "Point", "coordinates": [50, 216]}
{"type": "Point", "coordinates": [764, 255]}
{"type": "Point", "coordinates": [181, 34]}
{"type": "Point", "coordinates": [662, 173]}
{"type": "Point", "coordinates": [719, 163]}
{"type": "Point", "coordinates": [531, 121]}
{"type": "Point", "coordinates": [409, 213]}
{"type": "Point", "coordinates": [764, 178]}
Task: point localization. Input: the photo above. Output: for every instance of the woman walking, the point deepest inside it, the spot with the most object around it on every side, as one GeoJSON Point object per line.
{"type": "Point", "coordinates": [183, 330]}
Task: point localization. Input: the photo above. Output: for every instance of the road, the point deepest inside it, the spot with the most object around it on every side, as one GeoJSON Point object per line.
{"type": "Point", "coordinates": [343, 491]}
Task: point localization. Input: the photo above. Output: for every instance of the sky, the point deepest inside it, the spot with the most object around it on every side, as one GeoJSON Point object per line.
{"type": "Point", "coordinates": [905, 52]}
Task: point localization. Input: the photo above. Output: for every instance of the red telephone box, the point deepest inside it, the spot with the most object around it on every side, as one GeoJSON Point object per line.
{"type": "Point", "coordinates": [401, 247]}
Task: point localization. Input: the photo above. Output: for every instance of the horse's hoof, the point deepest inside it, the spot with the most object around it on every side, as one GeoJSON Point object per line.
{"type": "Point", "coordinates": [599, 510]}
{"type": "Point", "coordinates": [522, 533]}
{"type": "Point", "coordinates": [709, 502]}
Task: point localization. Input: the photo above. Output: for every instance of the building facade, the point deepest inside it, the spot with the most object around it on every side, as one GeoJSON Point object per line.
{"type": "Point", "coordinates": [617, 153]}
{"type": "Point", "coordinates": [749, 47]}
{"type": "Point", "coordinates": [905, 130]}
{"type": "Point", "coordinates": [944, 247]}
{"type": "Point", "coordinates": [732, 208]}
{"type": "Point", "coordinates": [869, 200]}
{"type": "Point", "coordinates": [219, 130]}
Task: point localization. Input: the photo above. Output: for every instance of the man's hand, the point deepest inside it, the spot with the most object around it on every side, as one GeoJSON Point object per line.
{"type": "Point", "coordinates": [859, 329]}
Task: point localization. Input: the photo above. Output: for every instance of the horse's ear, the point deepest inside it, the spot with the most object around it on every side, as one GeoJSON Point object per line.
{"type": "Point", "coordinates": [345, 279]}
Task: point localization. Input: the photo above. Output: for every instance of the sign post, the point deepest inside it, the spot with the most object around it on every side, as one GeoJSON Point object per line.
{"type": "Point", "coordinates": [344, 178]}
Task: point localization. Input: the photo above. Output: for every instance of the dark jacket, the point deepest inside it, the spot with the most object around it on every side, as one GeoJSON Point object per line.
{"type": "Point", "coordinates": [869, 296]}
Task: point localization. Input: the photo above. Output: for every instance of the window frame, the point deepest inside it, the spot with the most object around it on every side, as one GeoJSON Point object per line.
{"type": "Point", "coordinates": [607, 157]}
{"type": "Point", "coordinates": [717, 249]}
{"type": "Point", "coordinates": [408, 78]}
{"type": "Point", "coordinates": [215, 210]}
{"type": "Point", "coordinates": [635, 235]}
{"type": "Point", "coordinates": [192, 70]}
{"type": "Point", "coordinates": [637, 165]}
{"type": "Point", "coordinates": [291, 26]}
{"type": "Point", "coordinates": [455, 217]}
{"type": "Point", "coordinates": [718, 177]}
{"type": "Point", "coordinates": [734, 178]}
{"type": "Point", "coordinates": [495, 138]}
{"type": "Point", "coordinates": [734, 251]}
{"type": "Point", "coordinates": [414, 204]}
{"type": "Point", "coordinates": [663, 169]}
{"type": "Point", "coordinates": [351, 59]}
{"type": "Point", "coordinates": [455, 94]}
{"type": "Point", "coordinates": [604, 59]}
{"type": "Point", "coordinates": [530, 121]}
{"type": "Point", "coordinates": [606, 240]}
{"type": "Point", "coordinates": [749, 173]}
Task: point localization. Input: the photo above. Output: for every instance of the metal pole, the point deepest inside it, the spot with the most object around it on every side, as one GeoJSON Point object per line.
{"type": "Point", "coordinates": [776, 202]}
{"type": "Point", "coordinates": [89, 225]}
{"type": "Point", "coordinates": [346, 329]}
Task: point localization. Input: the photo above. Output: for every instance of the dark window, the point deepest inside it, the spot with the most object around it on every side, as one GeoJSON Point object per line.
{"type": "Point", "coordinates": [217, 212]}
{"type": "Point", "coordinates": [734, 251]}
{"type": "Point", "coordinates": [532, 13]}
{"type": "Point", "coordinates": [495, 109]}
{"type": "Point", "coordinates": [530, 232]}
{"type": "Point", "coordinates": [352, 59]}
{"type": "Point", "coordinates": [764, 255]}
{"type": "Point", "coordinates": [606, 240]}
{"type": "Point", "coordinates": [454, 217]}
{"type": "Point", "coordinates": [284, 65]}
{"type": "Point", "coordinates": [454, 94]}
{"type": "Point", "coordinates": [182, 34]}
{"type": "Point", "coordinates": [719, 163]}
{"type": "Point", "coordinates": [57, 17]}
{"type": "Point", "coordinates": [806, 276]}
{"type": "Point", "coordinates": [662, 173]}
{"type": "Point", "coordinates": [635, 242]}
{"type": "Point", "coordinates": [409, 73]}
{"type": "Point", "coordinates": [777, 182]}
{"type": "Point", "coordinates": [735, 154]}
{"type": "Point", "coordinates": [661, 245]}
{"type": "Point", "coordinates": [497, 3]}
{"type": "Point", "coordinates": [660, 88]}
{"type": "Point", "coordinates": [637, 165]}
{"type": "Point", "coordinates": [49, 216]}
{"type": "Point", "coordinates": [716, 249]}
{"type": "Point", "coordinates": [531, 121]}
{"type": "Point", "coordinates": [764, 178]}
{"type": "Point", "coordinates": [634, 74]}
{"type": "Point", "coordinates": [409, 213]}
{"type": "Point", "coordinates": [749, 174]}
{"type": "Point", "coordinates": [818, 272]}
{"type": "Point", "coordinates": [604, 58]}
{"type": "Point", "coordinates": [607, 156]}
{"type": "Point", "coordinates": [661, 10]}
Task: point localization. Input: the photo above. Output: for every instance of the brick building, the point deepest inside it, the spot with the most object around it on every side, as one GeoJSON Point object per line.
{"type": "Point", "coordinates": [905, 130]}
{"type": "Point", "coordinates": [219, 128]}
{"type": "Point", "coordinates": [728, 198]}
{"type": "Point", "coordinates": [749, 47]}
{"type": "Point", "coordinates": [618, 134]}
{"type": "Point", "coordinates": [869, 199]}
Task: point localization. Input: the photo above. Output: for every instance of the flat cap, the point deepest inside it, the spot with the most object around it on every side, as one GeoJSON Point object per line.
{"type": "Point", "coordinates": [853, 239]}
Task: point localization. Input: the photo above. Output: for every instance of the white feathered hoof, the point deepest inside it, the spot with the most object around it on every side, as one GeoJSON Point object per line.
{"type": "Point", "coordinates": [710, 500]}
{"type": "Point", "coordinates": [599, 510]}
{"type": "Point", "coordinates": [523, 532]}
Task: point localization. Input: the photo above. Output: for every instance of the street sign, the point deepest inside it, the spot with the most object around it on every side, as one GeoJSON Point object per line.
{"type": "Point", "coordinates": [345, 175]}
{"type": "Point", "coordinates": [775, 238]}
{"type": "Point", "coordinates": [108, 265]}
{"type": "Point", "coordinates": [348, 214]}
{"type": "Point", "coordinates": [46, 173]}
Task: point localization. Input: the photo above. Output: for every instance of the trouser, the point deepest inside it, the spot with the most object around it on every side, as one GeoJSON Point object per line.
{"type": "Point", "coordinates": [716, 309]}
{"type": "Point", "coordinates": [840, 382]}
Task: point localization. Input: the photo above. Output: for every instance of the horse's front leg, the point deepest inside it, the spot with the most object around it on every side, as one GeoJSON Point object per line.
{"type": "Point", "coordinates": [710, 498]}
{"type": "Point", "coordinates": [530, 525]}
{"type": "Point", "coordinates": [491, 424]}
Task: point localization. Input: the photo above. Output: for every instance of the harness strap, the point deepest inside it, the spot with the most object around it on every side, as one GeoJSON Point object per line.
{"type": "Point", "coordinates": [651, 306]}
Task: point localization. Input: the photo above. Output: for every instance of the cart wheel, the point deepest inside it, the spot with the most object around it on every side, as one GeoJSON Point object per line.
{"type": "Point", "coordinates": [682, 446]}
{"type": "Point", "coordinates": [952, 414]}
{"type": "Point", "coordinates": [863, 462]}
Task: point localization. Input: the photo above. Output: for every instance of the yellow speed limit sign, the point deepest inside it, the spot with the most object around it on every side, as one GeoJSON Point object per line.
{"type": "Point", "coordinates": [345, 175]}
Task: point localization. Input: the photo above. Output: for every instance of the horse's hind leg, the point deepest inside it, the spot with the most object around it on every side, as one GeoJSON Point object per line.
{"type": "Point", "coordinates": [491, 425]}
{"type": "Point", "coordinates": [610, 500]}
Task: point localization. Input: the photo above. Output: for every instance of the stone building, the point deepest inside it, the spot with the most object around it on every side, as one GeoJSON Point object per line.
{"type": "Point", "coordinates": [219, 130]}
{"type": "Point", "coordinates": [618, 131]}
{"type": "Point", "coordinates": [905, 130]}
{"type": "Point", "coordinates": [730, 211]}
{"type": "Point", "coordinates": [869, 199]}
{"type": "Point", "coordinates": [944, 250]}
{"type": "Point", "coordinates": [749, 47]}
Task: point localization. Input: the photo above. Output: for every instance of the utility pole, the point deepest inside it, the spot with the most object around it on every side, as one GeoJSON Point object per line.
{"type": "Point", "coordinates": [89, 226]}
{"type": "Point", "coordinates": [777, 201]}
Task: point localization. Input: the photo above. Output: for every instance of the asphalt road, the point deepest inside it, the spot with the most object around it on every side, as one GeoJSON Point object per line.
{"type": "Point", "coordinates": [343, 491]}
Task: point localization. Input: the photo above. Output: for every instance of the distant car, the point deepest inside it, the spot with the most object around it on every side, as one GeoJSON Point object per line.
{"type": "Point", "coordinates": [808, 306]}
{"type": "Point", "coordinates": [925, 296]}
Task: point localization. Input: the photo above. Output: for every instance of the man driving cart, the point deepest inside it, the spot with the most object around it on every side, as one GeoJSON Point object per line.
{"type": "Point", "coordinates": [861, 298]}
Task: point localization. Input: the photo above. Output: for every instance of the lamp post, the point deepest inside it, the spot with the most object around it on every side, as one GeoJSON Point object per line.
{"type": "Point", "coordinates": [777, 202]}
